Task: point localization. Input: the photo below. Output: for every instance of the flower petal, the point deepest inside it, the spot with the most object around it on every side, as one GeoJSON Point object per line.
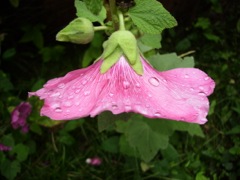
{"type": "Point", "coordinates": [179, 94]}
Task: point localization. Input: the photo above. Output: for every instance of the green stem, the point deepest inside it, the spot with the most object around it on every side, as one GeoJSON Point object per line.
{"type": "Point", "coordinates": [112, 4]}
{"type": "Point", "coordinates": [100, 28]}
{"type": "Point", "coordinates": [121, 21]}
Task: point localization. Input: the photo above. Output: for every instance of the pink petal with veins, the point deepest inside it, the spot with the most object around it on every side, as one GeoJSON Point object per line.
{"type": "Point", "coordinates": [178, 94]}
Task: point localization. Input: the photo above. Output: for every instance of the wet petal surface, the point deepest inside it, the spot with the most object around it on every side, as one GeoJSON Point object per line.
{"type": "Point", "coordinates": [178, 94]}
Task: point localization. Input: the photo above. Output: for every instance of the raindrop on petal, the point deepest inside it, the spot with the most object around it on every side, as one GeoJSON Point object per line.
{"type": "Point", "coordinates": [206, 78]}
{"type": "Point", "coordinates": [86, 93]}
{"type": "Point", "coordinates": [67, 103]}
{"type": "Point", "coordinates": [114, 106]}
{"type": "Point", "coordinates": [61, 85]}
{"type": "Point", "coordinates": [111, 94]}
{"type": "Point", "coordinates": [157, 114]}
{"type": "Point", "coordinates": [128, 107]}
{"type": "Point", "coordinates": [58, 110]}
{"type": "Point", "coordinates": [154, 81]}
{"type": "Point", "coordinates": [126, 84]}
{"type": "Point", "coordinates": [77, 91]}
{"type": "Point", "coordinates": [55, 94]}
{"type": "Point", "coordinates": [84, 82]}
{"type": "Point", "coordinates": [186, 76]}
{"type": "Point", "coordinates": [138, 85]}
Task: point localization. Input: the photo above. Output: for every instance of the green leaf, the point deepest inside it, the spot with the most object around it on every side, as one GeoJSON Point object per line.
{"type": "Point", "coordinates": [152, 40]}
{"type": "Point", "coordinates": [94, 6]}
{"type": "Point", "coordinates": [94, 50]}
{"type": "Point", "coordinates": [170, 61]}
{"type": "Point", "coordinates": [22, 152]}
{"type": "Point", "coordinates": [151, 17]}
{"type": "Point", "coordinates": [33, 34]}
{"type": "Point", "coordinates": [145, 140]}
{"type": "Point", "coordinates": [111, 144]}
{"type": "Point", "coordinates": [107, 120]}
{"type": "Point", "coordinates": [142, 137]}
{"type": "Point", "coordinates": [170, 153]}
{"type": "Point", "coordinates": [9, 53]}
{"type": "Point", "coordinates": [5, 83]}
{"type": "Point", "coordinates": [83, 11]}
{"type": "Point", "coordinates": [9, 169]}
{"type": "Point", "coordinates": [126, 149]}
{"type": "Point", "coordinates": [7, 140]}
{"type": "Point", "coordinates": [14, 3]}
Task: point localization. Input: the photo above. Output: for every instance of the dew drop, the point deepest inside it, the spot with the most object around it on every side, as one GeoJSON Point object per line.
{"type": "Point", "coordinates": [84, 82]}
{"type": "Point", "coordinates": [70, 97]}
{"type": "Point", "coordinates": [126, 84]}
{"type": "Point", "coordinates": [77, 91]}
{"type": "Point", "coordinates": [154, 81]}
{"type": "Point", "coordinates": [149, 95]}
{"type": "Point", "coordinates": [128, 107]}
{"type": "Point", "coordinates": [55, 94]}
{"type": "Point", "coordinates": [147, 105]}
{"type": "Point", "coordinates": [206, 78]}
{"type": "Point", "coordinates": [111, 94]}
{"type": "Point", "coordinates": [138, 85]}
{"type": "Point", "coordinates": [191, 89]}
{"type": "Point", "coordinates": [68, 104]}
{"type": "Point", "coordinates": [86, 93]}
{"type": "Point", "coordinates": [77, 103]}
{"type": "Point", "coordinates": [186, 76]}
{"type": "Point", "coordinates": [157, 114]}
{"type": "Point", "coordinates": [58, 110]}
{"type": "Point", "coordinates": [201, 88]}
{"type": "Point", "coordinates": [114, 106]}
{"type": "Point", "coordinates": [61, 85]}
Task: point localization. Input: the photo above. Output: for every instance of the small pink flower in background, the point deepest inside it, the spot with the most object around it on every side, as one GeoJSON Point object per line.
{"type": "Point", "coordinates": [5, 148]}
{"type": "Point", "coordinates": [178, 94]}
{"type": "Point", "coordinates": [19, 116]}
{"type": "Point", "coordinates": [96, 161]}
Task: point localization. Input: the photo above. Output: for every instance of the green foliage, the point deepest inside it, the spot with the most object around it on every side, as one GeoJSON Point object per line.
{"type": "Point", "coordinates": [151, 17]}
{"type": "Point", "coordinates": [87, 10]}
{"type": "Point", "coordinates": [130, 146]}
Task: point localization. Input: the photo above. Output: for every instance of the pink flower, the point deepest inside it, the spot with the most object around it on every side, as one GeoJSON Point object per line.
{"type": "Point", "coordinates": [178, 94]}
{"type": "Point", "coordinates": [96, 161]}
{"type": "Point", "coordinates": [19, 116]}
{"type": "Point", "coordinates": [5, 148]}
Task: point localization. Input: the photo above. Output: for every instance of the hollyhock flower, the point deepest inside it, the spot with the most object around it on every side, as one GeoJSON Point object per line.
{"type": "Point", "coordinates": [96, 161]}
{"type": "Point", "coordinates": [126, 82]}
{"type": "Point", "coordinates": [5, 148]}
{"type": "Point", "coordinates": [19, 116]}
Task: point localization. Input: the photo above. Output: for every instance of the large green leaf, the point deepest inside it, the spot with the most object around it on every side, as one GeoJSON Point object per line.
{"type": "Point", "coordinates": [83, 11]}
{"type": "Point", "coordinates": [151, 17]}
{"type": "Point", "coordinates": [170, 61]}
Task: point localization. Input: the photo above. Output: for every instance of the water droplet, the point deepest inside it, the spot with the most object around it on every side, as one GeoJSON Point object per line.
{"type": "Point", "coordinates": [147, 105]}
{"type": "Point", "coordinates": [55, 94]}
{"type": "Point", "coordinates": [128, 107]}
{"type": "Point", "coordinates": [138, 85]}
{"type": "Point", "coordinates": [77, 103]}
{"type": "Point", "coordinates": [153, 81]}
{"type": "Point", "coordinates": [67, 104]}
{"type": "Point", "coordinates": [86, 93]}
{"type": "Point", "coordinates": [186, 76]}
{"type": "Point", "coordinates": [114, 106]}
{"type": "Point", "coordinates": [191, 89]}
{"type": "Point", "coordinates": [61, 85]}
{"type": "Point", "coordinates": [206, 78]}
{"type": "Point", "coordinates": [111, 94]}
{"type": "Point", "coordinates": [58, 109]}
{"type": "Point", "coordinates": [126, 84]}
{"type": "Point", "coordinates": [201, 88]}
{"type": "Point", "coordinates": [157, 114]}
{"type": "Point", "coordinates": [149, 95]}
{"type": "Point", "coordinates": [201, 94]}
{"type": "Point", "coordinates": [70, 97]}
{"type": "Point", "coordinates": [164, 80]}
{"type": "Point", "coordinates": [84, 82]}
{"type": "Point", "coordinates": [77, 91]}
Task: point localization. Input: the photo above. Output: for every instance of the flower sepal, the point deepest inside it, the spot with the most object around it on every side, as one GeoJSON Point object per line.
{"type": "Point", "coordinates": [121, 43]}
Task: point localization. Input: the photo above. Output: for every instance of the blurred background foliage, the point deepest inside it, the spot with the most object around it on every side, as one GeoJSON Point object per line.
{"type": "Point", "coordinates": [30, 56]}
